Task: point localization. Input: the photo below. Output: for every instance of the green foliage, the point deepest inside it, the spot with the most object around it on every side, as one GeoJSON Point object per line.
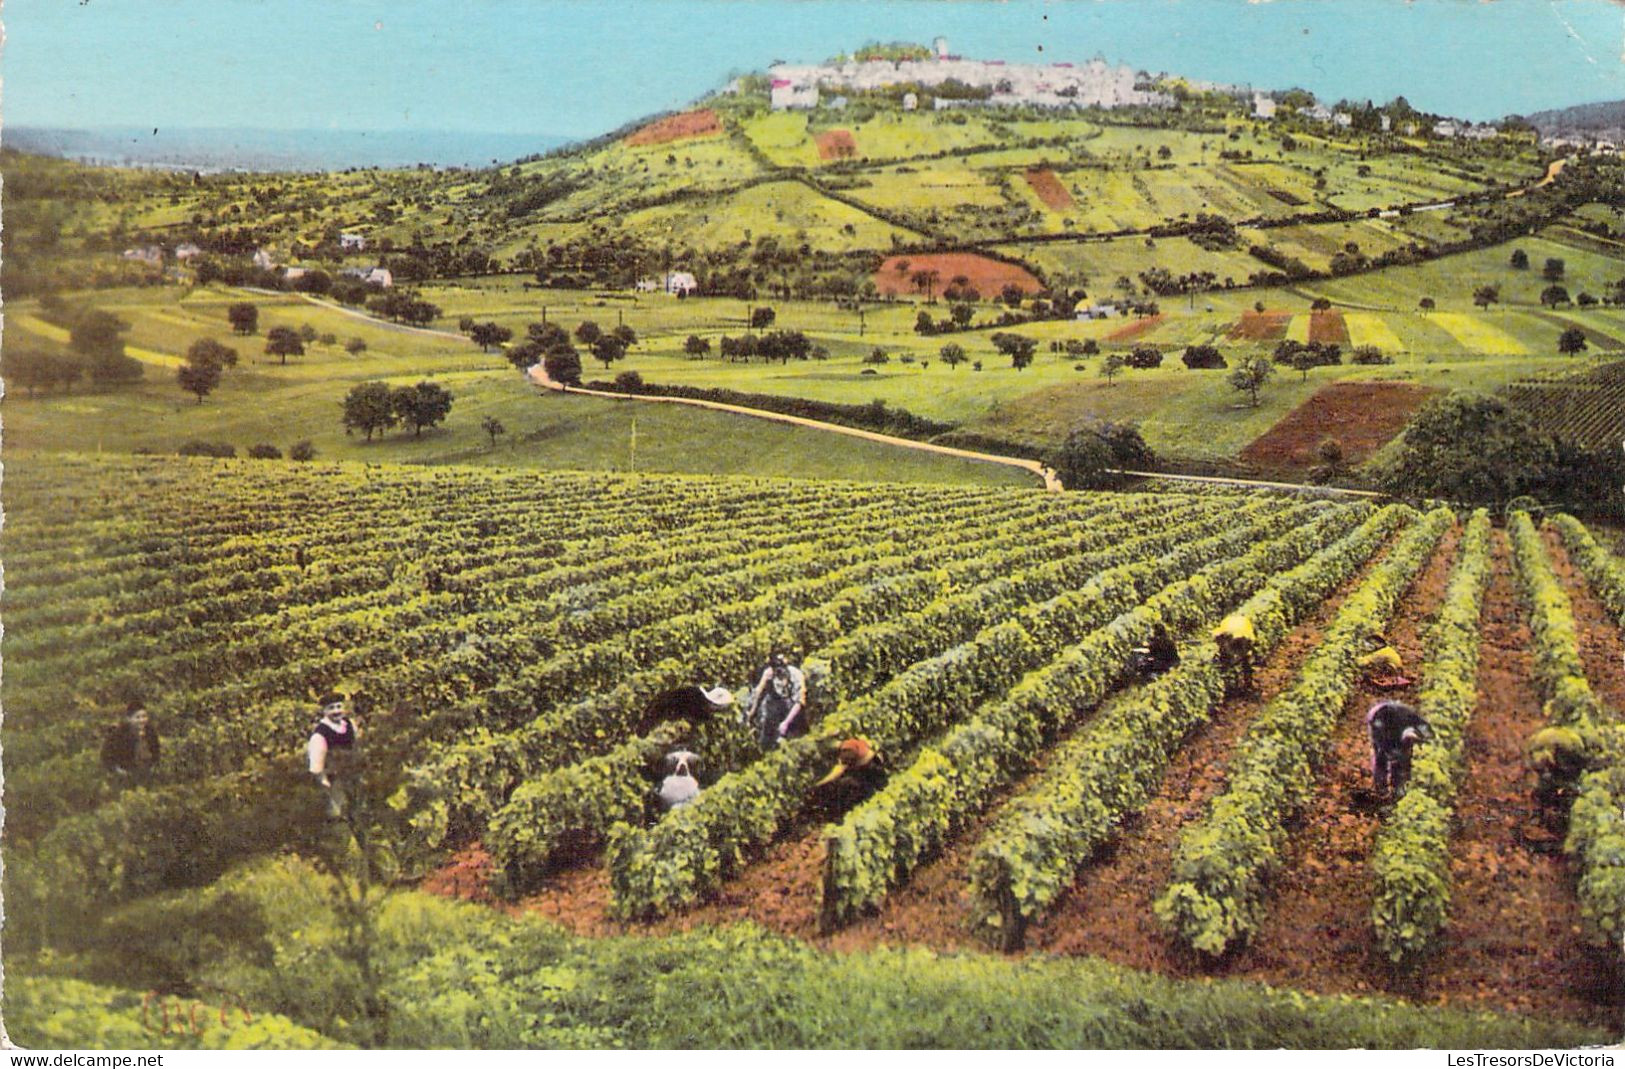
{"type": "Point", "coordinates": [1471, 448]}
{"type": "Point", "coordinates": [420, 406]}
{"type": "Point", "coordinates": [370, 407]}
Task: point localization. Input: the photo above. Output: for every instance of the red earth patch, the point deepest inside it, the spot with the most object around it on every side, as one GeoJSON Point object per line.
{"type": "Point", "coordinates": [987, 275]}
{"type": "Point", "coordinates": [1328, 328]}
{"type": "Point", "coordinates": [1137, 329]}
{"type": "Point", "coordinates": [836, 145]}
{"type": "Point", "coordinates": [1362, 416]}
{"type": "Point", "coordinates": [1261, 326]}
{"type": "Point", "coordinates": [703, 123]}
{"type": "Point", "coordinates": [1049, 189]}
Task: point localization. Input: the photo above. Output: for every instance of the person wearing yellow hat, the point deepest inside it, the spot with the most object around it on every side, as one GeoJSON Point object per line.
{"type": "Point", "coordinates": [1557, 757]}
{"type": "Point", "coordinates": [1236, 638]}
{"type": "Point", "coordinates": [1382, 667]}
{"type": "Point", "coordinates": [859, 774]}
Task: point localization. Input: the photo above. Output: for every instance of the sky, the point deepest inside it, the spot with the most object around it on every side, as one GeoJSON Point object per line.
{"type": "Point", "coordinates": [577, 68]}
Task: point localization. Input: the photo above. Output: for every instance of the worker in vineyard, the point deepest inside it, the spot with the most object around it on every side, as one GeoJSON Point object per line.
{"type": "Point", "coordinates": [331, 753]}
{"type": "Point", "coordinates": [778, 704]}
{"type": "Point", "coordinates": [859, 774]}
{"type": "Point", "coordinates": [1396, 729]}
{"type": "Point", "coordinates": [1236, 640]}
{"type": "Point", "coordinates": [681, 784]}
{"type": "Point", "coordinates": [692, 703]}
{"type": "Point", "coordinates": [1158, 655]}
{"type": "Point", "coordinates": [1557, 757]}
{"type": "Point", "coordinates": [1381, 666]}
{"type": "Point", "coordinates": [130, 747]}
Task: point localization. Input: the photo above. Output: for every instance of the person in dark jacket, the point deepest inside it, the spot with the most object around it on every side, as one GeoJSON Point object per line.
{"type": "Point", "coordinates": [130, 748]}
{"type": "Point", "coordinates": [1396, 729]}
{"type": "Point", "coordinates": [1158, 655]}
{"type": "Point", "coordinates": [858, 775]}
{"type": "Point", "coordinates": [331, 753]}
{"type": "Point", "coordinates": [692, 703]}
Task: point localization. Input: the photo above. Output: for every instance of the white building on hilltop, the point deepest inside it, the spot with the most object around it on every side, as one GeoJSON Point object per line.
{"type": "Point", "coordinates": [788, 95]}
{"type": "Point", "coordinates": [1263, 106]}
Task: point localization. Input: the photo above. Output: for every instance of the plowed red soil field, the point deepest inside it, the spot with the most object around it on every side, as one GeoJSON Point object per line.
{"type": "Point", "coordinates": [1361, 416]}
{"type": "Point", "coordinates": [1137, 329]}
{"type": "Point", "coordinates": [1328, 328]}
{"type": "Point", "coordinates": [1049, 189]}
{"type": "Point", "coordinates": [836, 145]}
{"type": "Point", "coordinates": [1261, 326]}
{"type": "Point", "coordinates": [703, 123]}
{"type": "Point", "coordinates": [987, 275]}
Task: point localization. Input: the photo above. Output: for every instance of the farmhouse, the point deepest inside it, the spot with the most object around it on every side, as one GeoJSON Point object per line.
{"type": "Point", "coordinates": [1319, 113]}
{"type": "Point", "coordinates": [1445, 128]}
{"type": "Point", "coordinates": [147, 254]}
{"type": "Point", "coordinates": [264, 260]}
{"type": "Point", "coordinates": [1263, 107]}
{"type": "Point", "coordinates": [186, 251]}
{"type": "Point", "coordinates": [294, 274]}
{"type": "Point", "coordinates": [1096, 311]}
{"type": "Point", "coordinates": [910, 101]}
{"type": "Point", "coordinates": [1343, 119]}
{"type": "Point", "coordinates": [380, 276]}
{"type": "Point", "coordinates": [352, 242]}
{"type": "Point", "coordinates": [788, 95]}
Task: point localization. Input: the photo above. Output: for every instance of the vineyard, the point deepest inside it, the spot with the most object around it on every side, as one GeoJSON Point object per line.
{"type": "Point", "coordinates": [501, 633]}
{"type": "Point", "coordinates": [1588, 408]}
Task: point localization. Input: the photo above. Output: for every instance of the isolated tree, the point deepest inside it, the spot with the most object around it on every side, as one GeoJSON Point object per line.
{"type": "Point", "coordinates": [1320, 304]}
{"type": "Point", "coordinates": [961, 314]}
{"type": "Point", "coordinates": [1203, 357]}
{"type": "Point", "coordinates": [284, 342]}
{"type": "Point", "coordinates": [1144, 356]}
{"type": "Point", "coordinates": [1520, 259]}
{"type": "Point", "coordinates": [355, 346]}
{"type": "Point", "coordinates": [264, 451]}
{"type": "Point", "coordinates": [368, 407]}
{"type": "Point", "coordinates": [1484, 296]}
{"type": "Point", "coordinates": [493, 428]}
{"type": "Point", "coordinates": [1018, 347]}
{"type": "Point", "coordinates": [420, 406]}
{"type": "Point", "coordinates": [489, 335]}
{"type": "Point", "coordinates": [307, 334]}
{"type": "Point", "coordinates": [924, 324]}
{"type": "Point", "coordinates": [200, 377]}
{"type": "Point", "coordinates": [608, 349]}
{"type": "Point", "coordinates": [1572, 342]}
{"type": "Point", "coordinates": [1082, 461]}
{"type": "Point", "coordinates": [1368, 354]}
{"type": "Point", "coordinates": [99, 338]}
{"type": "Point", "coordinates": [625, 335]}
{"type": "Point", "coordinates": [209, 351]}
{"type": "Point", "coordinates": [1250, 375]}
{"type": "Point", "coordinates": [302, 450]}
{"type": "Point", "coordinates": [1472, 448]}
{"type": "Point", "coordinates": [244, 317]}
{"type": "Point", "coordinates": [1331, 462]}
{"type": "Point", "coordinates": [953, 355]}
{"type": "Point", "coordinates": [1302, 360]}
{"type": "Point", "coordinates": [563, 365]}
{"type": "Point", "coordinates": [1552, 296]}
{"type": "Point", "coordinates": [1554, 269]}
{"type": "Point", "coordinates": [588, 333]}
{"type": "Point", "coordinates": [1426, 304]}
{"type": "Point", "coordinates": [697, 346]}
{"type": "Point", "coordinates": [762, 318]}
{"type": "Point", "coordinates": [1111, 366]}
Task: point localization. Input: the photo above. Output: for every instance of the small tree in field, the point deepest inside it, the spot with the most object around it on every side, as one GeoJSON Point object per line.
{"type": "Point", "coordinates": [1484, 296]}
{"type": "Point", "coordinates": [284, 342]}
{"type": "Point", "coordinates": [355, 346]}
{"type": "Point", "coordinates": [244, 317]}
{"type": "Point", "coordinates": [199, 378]}
{"type": "Point", "coordinates": [1111, 367]}
{"type": "Point", "coordinates": [697, 346]}
{"type": "Point", "coordinates": [489, 335]}
{"type": "Point", "coordinates": [1250, 375]}
{"type": "Point", "coordinates": [952, 354]}
{"type": "Point", "coordinates": [493, 429]}
{"type": "Point", "coordinates": [209, 351]}
{"type": "Point", "coordinates": [1552, 296]}
{"type": "Point", "coordinates": [1426, 304]}
{"type": "Point", "coordinates": [369, 407]}
{"type": "Point", "coordinates": [1520, 260]}
{"type": "Point", "coordinates": [420, 406]}
{"type": "Point", "coordinates": [1572, 342]}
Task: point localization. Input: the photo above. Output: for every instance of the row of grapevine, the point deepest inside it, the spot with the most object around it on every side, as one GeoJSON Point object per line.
{"type": "Point", "coordinates": [464, 784]}
{"type": "Point", "coordinates": [1597, 817]}
{"type": "Point", "coordinates": [1223, 862]}
{"type": "Point", "coordinates": [546, 812]}
{"type": "Point", "coordinates": [1410, 862]}
{"type": "Point", "coordinates": [1109, 770]}
{"type": "Point", "coordinates": [880, 843]}
{"type": "Point", "coordinates": [695, 847]}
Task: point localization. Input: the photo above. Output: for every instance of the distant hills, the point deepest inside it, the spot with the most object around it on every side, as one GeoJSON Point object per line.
{"type": "Point", "coordinates": [1605, 120]}
{"type": "Point", "coordinates": [223, 149]}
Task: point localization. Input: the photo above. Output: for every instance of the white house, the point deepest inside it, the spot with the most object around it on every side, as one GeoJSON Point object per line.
{"type": "Point", "coordinates": [648, 285]}
{"type": "Point", "coordinates": [1096, 311]}
{"type": "Point", "coordinates": [681, 282]}
{"type": "Point", "coordinates": [1263, 107]}
{"type": "Point", "coordinates": [147, 254]}
{"type": "Point", "coordinates": [1445, 128]}
{"type": "Point", "coordinates": [264, 260]}
{"type": "Point", "coordinates": [187, 251]}
{"type": "Point", "coordinates": [381, 276]}
{"type": "Point", "coordinates": [294, 274]}
{"type": "Point", "coordinates": [352, 242]}
{"type": "Point", "coordinates": [910, 101]}
{"type": "Point", "coordinates": [1387, 123]}
{"type": "Point", "coordinates": [1320, 113]}
{"type": "Point", "coordinates": [1343, 119]}
{"type": "Point", "coordinates": [788, 95]}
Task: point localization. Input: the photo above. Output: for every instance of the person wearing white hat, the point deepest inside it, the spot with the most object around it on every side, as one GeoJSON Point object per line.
{"type": "Point", "coordinates": [680, 786]}
{"type": "Point", "coordinates": [1396, 729]}
{"type": "Point", "coordinates": [691, 702]}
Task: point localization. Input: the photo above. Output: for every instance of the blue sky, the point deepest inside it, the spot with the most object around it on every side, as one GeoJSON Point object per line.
{"type": "Point", "coordinates": [576, 68]}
